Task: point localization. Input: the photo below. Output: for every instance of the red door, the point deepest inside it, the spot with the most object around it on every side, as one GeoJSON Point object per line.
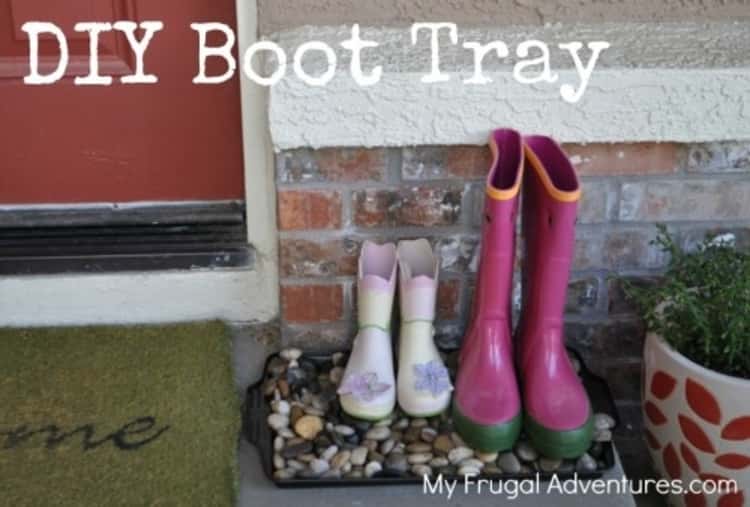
{"type": "Point", "coordinates": [171, 141]}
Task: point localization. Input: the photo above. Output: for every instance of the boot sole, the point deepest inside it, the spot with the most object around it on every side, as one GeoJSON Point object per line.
{"type": "Point", "coordinates": [365, 413]}
{"type": "Point", "coordinates": [424, 415]}
{"type": "Point", "coordinates": [487, 437]}
{"type": "Point", "coordinates": [370, 418]}
{"type": "Point", "coordinates": [558, 444]}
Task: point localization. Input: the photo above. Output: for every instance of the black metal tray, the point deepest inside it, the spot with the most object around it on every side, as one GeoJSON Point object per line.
{"type": "Point", "coordinates": [256, 409]}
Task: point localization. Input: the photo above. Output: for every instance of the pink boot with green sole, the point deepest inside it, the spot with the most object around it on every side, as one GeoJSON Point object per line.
{"type": "Point", "coordinates": [558, 415]}
{"type": "Point", "coordinates": [487, 405]}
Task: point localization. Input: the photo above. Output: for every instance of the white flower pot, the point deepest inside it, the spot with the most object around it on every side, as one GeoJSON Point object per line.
{"type": "Point", "coordinates": [697, 424]}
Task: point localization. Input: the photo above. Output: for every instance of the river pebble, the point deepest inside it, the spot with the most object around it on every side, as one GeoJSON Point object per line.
{"type": "Point", "coordinates": [319, 466]}
{"type": "Point", "coordinates": [378, 433]}
{"type": "Point", "coordinates": [359, 456]}
{"type": "Point", "coordinates": [278, 421]}
{"type": "Point", "coordinates": [459, 454]}
{"type": "Point", "coordinates": [509, 463]}
{"type": "Point", "coordinates": [313, 438]}
{"type": "Point", "coordinates": [372, 468]}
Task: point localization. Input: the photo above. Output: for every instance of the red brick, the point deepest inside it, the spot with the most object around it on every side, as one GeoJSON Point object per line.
{"type": "Point", "coordinates": [724, 157]}
{"type": "Point", "coordinates": [611, 339]}
{"type": "Point", "coordinates": [588, 250]}
{"type": "Point", "coordinates": [301, 257]}
{"type": "Point", "coordinates": [309, 209]}
{"type": "Point", "coordinates": [624, 158]}
{"type": "Point", "coordinates": [632, 249]}
{"type": "Point", "coordinates": [468, 162]}
{"type": "Point", "coordinates": [332, 164]}
{"type": "Point", "coordinates": [419, 206]}
{"type": "Point", "coordinates": [457, 253]}
{"type": "Point", "coordinates": [319, 338]}
{"type": "Point", "coordinates": [351, 164]}
{"type": "Point", "coordinates": [448, 299]}
{"type": "Point", "coordinates": [448, 336]}
{"type": "Point", "coordinates": [441, 162]}
{"type": "Point", "coordinates": [705, 199]}
{"type": "Point", "coordinates": [598, 201]}
{"type": "Point", "coordinates": [582, 296]}
{"type": "Point", "coordinates": [691, 238]}
{"type": "Point", "coordinates": [312, 303]}
{"type": "Point", "coordinates": [619, 303]}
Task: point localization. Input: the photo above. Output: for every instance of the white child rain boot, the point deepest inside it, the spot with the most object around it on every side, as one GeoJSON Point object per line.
{"type": "Point", "coordinates": [424, 386]}
{"type": "Point", "coordinates": [367, 390]}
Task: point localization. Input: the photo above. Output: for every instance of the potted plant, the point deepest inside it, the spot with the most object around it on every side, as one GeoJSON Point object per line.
{"type": "Point", "coordinates": [696, 378]}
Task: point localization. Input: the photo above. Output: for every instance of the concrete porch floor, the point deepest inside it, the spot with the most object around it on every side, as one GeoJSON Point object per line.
{"type": "Point", "coordinates": [251, 346]}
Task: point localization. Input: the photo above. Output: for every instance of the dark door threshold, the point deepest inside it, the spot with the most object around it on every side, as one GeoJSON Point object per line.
{"type": "Point", "coordinates": [153, 238]}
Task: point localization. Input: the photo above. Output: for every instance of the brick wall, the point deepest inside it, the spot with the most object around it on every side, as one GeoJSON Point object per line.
{"type": "Point", "coordinates": [332, 199]}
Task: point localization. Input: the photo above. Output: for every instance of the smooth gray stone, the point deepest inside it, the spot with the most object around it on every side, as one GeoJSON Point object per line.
{"type": "Point", "coordinates": [509, 463]}
{"type": "Point", "coordinates": [256, 489]}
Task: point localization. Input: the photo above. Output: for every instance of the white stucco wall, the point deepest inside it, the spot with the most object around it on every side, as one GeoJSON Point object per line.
{"type": "Point", "coordinates": [278, 15]}
{"type": "Point", "coordinates": [684, 82]}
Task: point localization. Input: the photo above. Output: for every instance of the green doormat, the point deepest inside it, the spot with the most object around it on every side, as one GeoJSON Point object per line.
{"type": "Point", "coordinates": [106, 416]}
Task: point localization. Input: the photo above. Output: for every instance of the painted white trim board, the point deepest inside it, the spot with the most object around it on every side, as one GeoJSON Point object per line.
{"type": "Point", "coordinates": [260, 184]}
{"type": "Point", "coordinates": [135, 298]}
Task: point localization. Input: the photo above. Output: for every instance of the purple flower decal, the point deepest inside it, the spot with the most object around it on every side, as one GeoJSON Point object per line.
{"type": "Point", "coordinates": [364, 387]}
{"type": "Point", "coordinates": [433, 377]}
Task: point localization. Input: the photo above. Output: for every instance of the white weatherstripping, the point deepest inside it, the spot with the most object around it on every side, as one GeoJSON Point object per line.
{"type": "Point", "coordinates": [658, 82]}
{"type": "Point", "coordinates": [133, 298]}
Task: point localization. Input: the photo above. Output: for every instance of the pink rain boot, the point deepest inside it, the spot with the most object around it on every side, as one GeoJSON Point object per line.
{"type": "Point", "coordinates": [486, 406]}
{"type": "Point", "coordinates": [368, 389]}
{"type": "Point", "coordinates": [557, 409]}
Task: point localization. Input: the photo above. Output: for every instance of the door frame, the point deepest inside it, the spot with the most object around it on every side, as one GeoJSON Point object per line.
{"type": "Point", "coordinates": [260, 184]}
{"type": "Point", "coordinates": [243, 295]}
